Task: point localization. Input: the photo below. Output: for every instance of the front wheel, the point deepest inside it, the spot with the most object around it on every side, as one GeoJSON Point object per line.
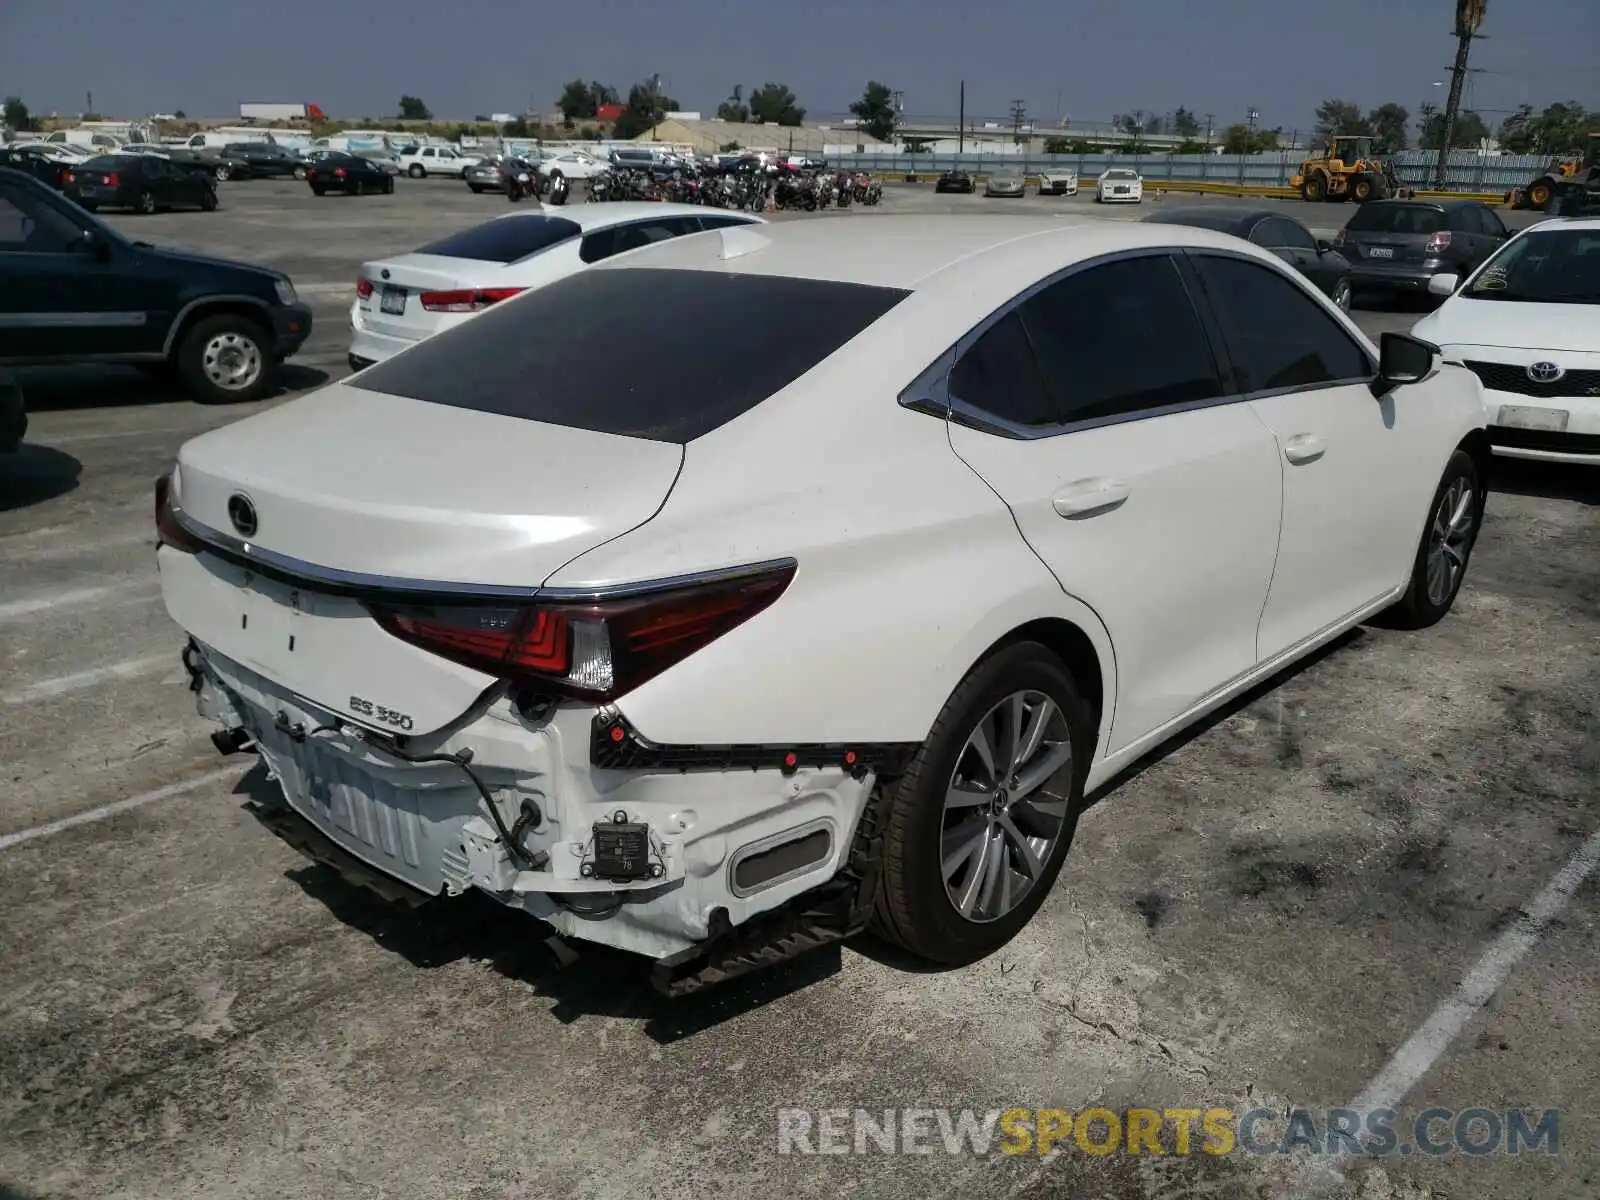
{"type": "Point", "coordinates": [146, 204]}
{"type": "Point", "coordinates": [1454, 518]}
{"type": "Point", "coordinates": [416, 171]}
{"type": "Point", "coordinates": [225, 360]}
{"type": "Point", "coordinates": [976, 830]}
{"type": "Point", "coordinates": [1342, 292]}
{"type": "Point", "coordinates": [300, 174]}
{"type": "Point", "coordinates": [1314, 190]}
{"type": "Point", "coordinates": [208, 201]}
{"type": "Point", "coordinates": [388, 185]}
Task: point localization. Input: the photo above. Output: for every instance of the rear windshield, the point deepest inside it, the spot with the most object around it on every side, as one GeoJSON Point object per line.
{"type": "Point", "coordinates": [113, 162]}
{"type": "Point", "coordinates": [1396, 218]}
{"type": "Point", "coordinates": [647, 353]}
{"type": "Point", "coordinates": [505, 240]}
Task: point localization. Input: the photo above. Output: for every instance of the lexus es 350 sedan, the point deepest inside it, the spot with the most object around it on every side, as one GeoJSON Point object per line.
{"type": "Point", "coordinates": [730, 634]}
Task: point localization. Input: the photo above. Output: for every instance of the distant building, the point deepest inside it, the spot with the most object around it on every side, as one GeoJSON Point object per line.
{"type": "Point", "coordinates": [710, 136]}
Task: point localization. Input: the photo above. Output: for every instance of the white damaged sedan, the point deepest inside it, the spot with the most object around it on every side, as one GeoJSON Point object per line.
{"type": "Point", "coordinates": [1119, 185]}
{"type": "Point", "coordinates": [712, 634]}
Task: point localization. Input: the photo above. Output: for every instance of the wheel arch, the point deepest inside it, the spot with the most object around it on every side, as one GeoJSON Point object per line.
{"type": "Point", "coordinates": [1479, 449]}
{"type": "Point", "coordinates": [214, 306]}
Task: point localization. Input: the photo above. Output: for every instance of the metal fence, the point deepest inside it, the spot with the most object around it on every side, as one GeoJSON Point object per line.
{"type": "Point", "coordinates": [1467, 171]}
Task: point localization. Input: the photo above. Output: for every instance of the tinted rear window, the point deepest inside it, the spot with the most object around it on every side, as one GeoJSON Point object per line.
{"type": "Point", "coordinates": [1396, 218]}
{"type": "Point", "coordinates": [505, 240]}
{"type": "Point", "coordinates": [647, 353]}
{"type": "Point", "coordinates": [112, 162]}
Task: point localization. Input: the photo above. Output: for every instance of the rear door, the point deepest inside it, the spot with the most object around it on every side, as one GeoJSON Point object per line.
{"type": "Point", "coordinates": [1357, 471]}
{"type": "Point", "coordinates": [1096, 409]}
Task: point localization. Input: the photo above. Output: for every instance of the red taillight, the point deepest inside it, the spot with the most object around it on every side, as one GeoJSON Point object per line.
{"type": "Point", "coordinates": [466, 299]}
{"type": "Point", "coordinates": [169, 531]}
{"type": "Point", "coordinates": [589, 651]}
{"type": "Point", "coordinates": [112, 180]}
{"type": "Point", "coordinates": [69, 177]}
{"type": "Point", "coordinates": [338, 172]}
{"type": "Point", "coordinates": [364, 288]}
{"type": "Point", "coordinates": [1438, 242]}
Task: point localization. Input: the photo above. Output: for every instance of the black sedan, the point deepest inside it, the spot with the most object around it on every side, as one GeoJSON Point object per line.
{"type": "Point", "coordinates": [32, 160]}
{"type": "Point", "coordinates": [348, 173]}
{"type": "Point", "coordinates": [267, 160]}
{"type": "Point", "coordinates": [13, 415]}
{"type": "Point", "coordinates": [1270, 229]}
{"type": "Point", "coordinates": [955, 181]}
{"type": "Point", "coordinates": [142, 182]}
{"type": "Point", "coordinates": [1399, 245]}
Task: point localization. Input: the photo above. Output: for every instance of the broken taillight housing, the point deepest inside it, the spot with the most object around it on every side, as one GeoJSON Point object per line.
{"type": "Point", "coordinates": [169, 530]}
{"type": "Point", "coordinates": [588, 650]}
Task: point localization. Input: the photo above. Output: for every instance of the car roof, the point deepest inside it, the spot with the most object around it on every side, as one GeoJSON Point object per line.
{"type": "Point", "coordinates": [1225, 219]}
{"type": "Point", "coordinates": [1439, 205]}
{"type": "Point", "coordinates": [620, 212]}
{"type": "Point", "coordinates": [1566, 223]}
{"type": "Point", "coordinates": [909, 251]}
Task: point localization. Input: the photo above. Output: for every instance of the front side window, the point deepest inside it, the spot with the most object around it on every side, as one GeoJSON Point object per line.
{"type": "Point", "coordinates": [1278, 336]}
{"type": "Point", "coordinates": [1121, 338]}
{"type": "Point", "coordinates": [1550, 266]}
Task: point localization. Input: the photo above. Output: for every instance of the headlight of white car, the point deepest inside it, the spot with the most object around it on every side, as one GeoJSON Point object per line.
{"type": "Point", "coordinates": [286, 292]}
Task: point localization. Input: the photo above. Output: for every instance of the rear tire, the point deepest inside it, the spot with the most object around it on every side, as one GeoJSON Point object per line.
{"type": "Point", "coordinates": [318, 190]}
{"type": "Point", "coordinates": [145, 204]}
{"type": "Point", "coordinates": [1453, 520]}
{"type": "Point", "coordinates": [1539, 193]}
{"type": "Point", "coordinates": [388, 185]}
{"type": "Point", "coordinates": [1361, 190]}
{"type": "Point", "coordinates": [918, 903]}
{"type": "Point", "coordinates": [226, 359]}
{"type": "Point", "coordinates": [1314, 189]}
{"type": "Point", "coordinates": [300, 174]}
{"type": "Point", "coordinates": [208, 201]}
{"type": "Point", "coordinates": [416, 171]}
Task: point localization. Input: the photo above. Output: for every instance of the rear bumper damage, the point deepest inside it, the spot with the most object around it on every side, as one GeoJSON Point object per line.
{"type": "Point", "coordinates": [690, 865]}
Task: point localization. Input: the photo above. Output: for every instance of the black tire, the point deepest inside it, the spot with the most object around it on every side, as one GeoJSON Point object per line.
{"type": "Point", "coordinates": [88, 206]}
{"type": "Point", "coordinates": [145, 204]}
{"type": "Point", "coordinates": [300, 174]}
{"type": "Point", "coordinates": [1314, 189]}
{"type": "Point", "coordinates": [208, 201]}
{"type": "Point", "coordinates": [417, 171]}
{"type": "Point", "coordinates": [192, 352]}
{"type": "Point", "coordinates": [1361, 190]}
{"type": "Point", "coordinates": [388, 185]}
{"type": "Point", "coordinates": [474, 189]}
{"type": "Point", "coordinates": [912, 907]}
{"type": "Point", "coordinates": [318, 190]}
{"type": "Point", "coordinates": [1417, 609]}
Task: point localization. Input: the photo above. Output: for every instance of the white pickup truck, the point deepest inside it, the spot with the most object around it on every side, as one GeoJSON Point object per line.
{"type": "Point", "coordinates": [419, 161]}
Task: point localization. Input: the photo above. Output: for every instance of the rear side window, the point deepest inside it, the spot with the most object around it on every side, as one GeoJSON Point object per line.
{"type": "Point", "coordinates": [1396, 218]}
{"type": "Point", "coordinates": [505, 240]}
{"type": "Point", "coordinates": [1278, 336]}
{"type": "Point", "coordinates": [999, 376]}
{"type": "Point", "coordinates": [645, 353]}
{"type": "Point", "coordinates": [605, 243]}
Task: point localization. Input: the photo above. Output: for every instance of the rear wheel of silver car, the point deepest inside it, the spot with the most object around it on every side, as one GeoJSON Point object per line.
{"type": "Point", "coordinates": [976, 830]}
{"type": "Point", "coordinates": [225, 360]}
{"type": "Point", "coordinates": [1341, 294]}
{"type": "Point", "coordinates": [1454, 519]}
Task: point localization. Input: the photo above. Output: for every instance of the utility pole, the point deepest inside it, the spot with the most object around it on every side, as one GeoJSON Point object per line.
{"type": "Point", "coordinates": [1019, 114]}
{"type": "Point", "coordinates": [1469, 16]}
{"type": "Point", "coordinates": [1251, 116]}
{"type": "Point", "coordinates": [961, 121]}
{"type": "Point", "coordinates": [1211, 119]}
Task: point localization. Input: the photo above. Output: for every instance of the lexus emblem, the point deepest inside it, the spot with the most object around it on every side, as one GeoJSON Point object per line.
{"type": "Point", "coordinates": [1545, 372]}
{"type": "Point", "coordinates": [243, 514]}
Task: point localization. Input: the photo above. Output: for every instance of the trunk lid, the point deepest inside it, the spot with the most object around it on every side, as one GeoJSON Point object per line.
{"type": "Point", "coordinates": [403, 490]}
{"type": "Point", "coordinates": [400, 282]}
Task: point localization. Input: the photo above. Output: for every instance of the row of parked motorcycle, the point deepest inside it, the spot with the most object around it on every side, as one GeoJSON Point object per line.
{"type": "Point", "coordinates": [752, 187]}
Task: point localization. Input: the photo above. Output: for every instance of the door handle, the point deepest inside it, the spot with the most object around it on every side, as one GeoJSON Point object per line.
{"type": "Point", "coordinates": [1304, 448]}
{"type": "Point", "coordinates": [1087, 497]}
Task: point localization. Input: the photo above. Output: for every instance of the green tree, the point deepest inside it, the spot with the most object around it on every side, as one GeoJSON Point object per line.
{"type": "Point", "coordinates": [1185, 125]}
{"type": "Point", "coordinates": [647, 105]}
{"type": "Point", "coordinates": [1341, 116]}
{"type": "Point", "coordinates": [1241, 139]}
{"type": "Point", "coordinates": [1470, 130]}
{"type": "Point", "coordinates": [775, 104]}
{"type": "Point", "coordinates": [576, 102]}
{"type": "Point", "coordinates": [1057, 145]}
{"type": "Point", "coordinates": [1517, 133]}
{"type": "Point", "coordinates": [728, 147]}
{"type": "Point", "coordinates": [17, 115]}
{"type": "Point", "coordinates": [1388, 123]}
{"type": "Point", "coordinates": [875, 111]}
{"type": "Point", "coordinates": [734, 108]}
{"type": "Point", "coordinates": [601, 93]}
{"type": "Point", "coordinates": [517, 127]}
{"type": "Point", "coordinates": [413, 109]}
{"type": "Point", "coordinates": [1564, 126]}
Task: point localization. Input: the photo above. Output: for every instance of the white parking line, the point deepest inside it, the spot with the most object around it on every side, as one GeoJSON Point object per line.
{"type": "Point", "coordinates": [120, 806]}
{"type": "Point", "coordinates": [1422, 1049]}
{"type": "Point", "coordinates": [61, 685]}
{"type": "Point", "coordinates": [66, 599]}
{"type": "Point", "coordinates": [346, 288]}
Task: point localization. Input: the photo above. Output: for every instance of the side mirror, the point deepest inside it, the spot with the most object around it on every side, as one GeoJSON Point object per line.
{"type": "Point", "coordinates": [95, 245]}
{"type": "Point", "coordinates": [1324, 245]}
{"type": "Point", "coordinates": [1403, 359]}
{"type": "Point", "coordinates": [1443, 285]}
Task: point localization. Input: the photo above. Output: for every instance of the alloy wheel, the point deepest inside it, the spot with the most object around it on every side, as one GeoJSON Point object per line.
{"type": "Point", "coordinates": [231, 361]}
{"type": "Point", "coordinates": [1341, 294]}
{"type": "Point", "coordinates": [1450, 540]}
{"type": "Point", "coordinates": [1006, 806]}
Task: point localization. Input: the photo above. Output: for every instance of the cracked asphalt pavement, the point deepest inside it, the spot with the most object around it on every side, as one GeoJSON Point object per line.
{"type": "Point", "coordinates": [1259, 916]}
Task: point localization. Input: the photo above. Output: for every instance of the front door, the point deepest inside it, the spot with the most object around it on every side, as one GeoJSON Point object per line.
{"type": "Point", "coordinates": [1358, 471]}
{"type": "Point", "coordinates": [1096, 410]}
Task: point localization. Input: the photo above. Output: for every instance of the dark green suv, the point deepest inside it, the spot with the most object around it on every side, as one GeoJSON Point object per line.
{"type": "Point", "coordinates": [77, 291]}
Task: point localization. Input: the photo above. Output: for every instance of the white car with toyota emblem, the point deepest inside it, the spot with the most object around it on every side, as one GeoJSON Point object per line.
{"type": "Point", "coordinates": [712, 634]}
{"type": "Point", "coordinates": [1528, 323]}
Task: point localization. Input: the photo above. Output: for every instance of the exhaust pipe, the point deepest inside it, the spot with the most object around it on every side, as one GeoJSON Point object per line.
{"type": "Point", "coordinates": [233, 741]}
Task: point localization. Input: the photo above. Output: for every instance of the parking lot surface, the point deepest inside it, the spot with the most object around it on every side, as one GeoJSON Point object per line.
{"type": "Point", "coordinates": [1259, 916]}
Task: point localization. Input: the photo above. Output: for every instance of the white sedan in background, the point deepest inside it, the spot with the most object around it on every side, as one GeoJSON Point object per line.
{"type": "Point", "coordinates": [421, 161]}
{"type": "Point", "coordinates": [754, 587]}
{"type": "Point", "coordinates": [574, 164]}
{"type": "Point", "coordinates": [1527, 322]}
{"type": "Point", "coordinates": [401, 300]}
{"type": "Point", "coordinates": [1058, 181]}
{"type": "Point", "coordinates": [1119, 185]}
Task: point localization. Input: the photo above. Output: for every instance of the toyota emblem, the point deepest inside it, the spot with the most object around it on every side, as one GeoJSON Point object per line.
{"type": "Point", "coordinates": [243, 514]}
{"type": "Point", "coordinates": [1545, 372]}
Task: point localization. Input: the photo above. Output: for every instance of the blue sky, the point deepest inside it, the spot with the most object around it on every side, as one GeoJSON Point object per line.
{"type": "Point", "coordinates": [1089, 60]}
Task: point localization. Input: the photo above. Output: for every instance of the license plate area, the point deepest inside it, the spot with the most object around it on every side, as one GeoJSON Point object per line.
{"type": "Point", "coordinates": [1523, 416]}
{"type": "Point", "coordinates": [1381, 252]}
{"type": "Point", "coordinates": [393, 301]}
